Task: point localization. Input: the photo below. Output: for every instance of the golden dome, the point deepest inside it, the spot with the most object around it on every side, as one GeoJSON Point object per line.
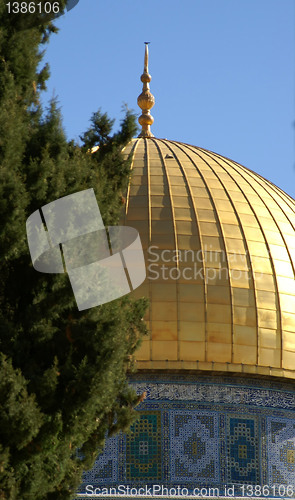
{"type": "Point", "coordinates": [219, 244]}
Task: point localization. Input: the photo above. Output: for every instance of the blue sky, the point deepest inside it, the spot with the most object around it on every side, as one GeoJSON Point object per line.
{"type": "Point", "coordinates": [223, 73]}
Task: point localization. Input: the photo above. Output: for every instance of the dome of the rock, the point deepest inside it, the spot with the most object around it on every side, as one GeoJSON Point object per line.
{"type": "Point", "coordinates": [217, 368]}
{"type": "Point", "coordinates": [219, 244]}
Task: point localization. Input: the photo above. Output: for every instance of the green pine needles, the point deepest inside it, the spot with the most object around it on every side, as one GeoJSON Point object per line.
{"type": "Point", "coordinates": [63, 372]}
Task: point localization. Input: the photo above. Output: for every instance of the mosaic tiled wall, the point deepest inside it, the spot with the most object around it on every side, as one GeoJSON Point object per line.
{"type": "Point", "coordinates": [204, 432]}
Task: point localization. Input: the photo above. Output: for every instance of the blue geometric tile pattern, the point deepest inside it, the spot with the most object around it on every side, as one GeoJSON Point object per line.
{"type": "Point", "coordinates": [202, 431]}
{"type": "Point", "coordinates": [143, 448]}
{"type": "Point", "coordinates": [242, 450]}
{"type": "Point", "coordinates": [194, 443]}
{"type": "Point", "coordinates": [281, 450]}
{"type": "Point", "coordinates": [105, 469]}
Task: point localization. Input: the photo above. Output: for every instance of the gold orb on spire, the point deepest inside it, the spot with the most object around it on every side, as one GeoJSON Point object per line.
{"type": "Point", "coordinates": [146, 100]}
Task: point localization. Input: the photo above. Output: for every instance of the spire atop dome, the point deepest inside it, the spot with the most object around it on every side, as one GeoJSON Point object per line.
{"type": "Point", "coordinates": [146, 100]}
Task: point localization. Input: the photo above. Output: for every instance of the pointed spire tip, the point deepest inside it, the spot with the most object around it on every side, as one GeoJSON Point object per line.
{"type": "Point", "coordinates": [146, 99]}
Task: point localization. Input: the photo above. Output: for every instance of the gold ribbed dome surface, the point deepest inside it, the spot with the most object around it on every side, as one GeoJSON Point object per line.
{"type": "Point", "coordinates": [219, 244]}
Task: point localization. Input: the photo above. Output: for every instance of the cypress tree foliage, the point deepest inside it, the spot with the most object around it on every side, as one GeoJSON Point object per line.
{"type": "Point", "coordinates": [62, 372]}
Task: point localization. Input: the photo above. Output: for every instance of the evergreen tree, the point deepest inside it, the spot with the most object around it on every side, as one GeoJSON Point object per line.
{"type": "Point", "coordinates": [62, 372]}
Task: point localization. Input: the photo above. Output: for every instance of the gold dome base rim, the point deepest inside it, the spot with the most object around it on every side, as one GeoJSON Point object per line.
{"type": "Point", "coordinates": [215, 368]}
